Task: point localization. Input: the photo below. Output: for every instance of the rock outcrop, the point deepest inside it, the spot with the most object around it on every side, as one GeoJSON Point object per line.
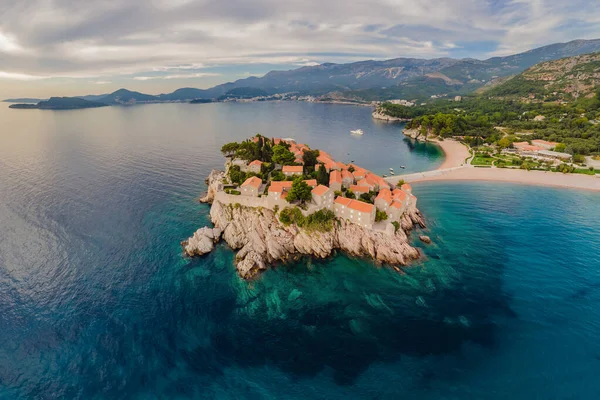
{"type": "Point", "coordinates": [261, 239]}
{"type": "Point", "coordinates": [215, 184]}
{"type": "Point", "coordinates": [377, 114]}
{"type": "Point", "coordinates": [425, 239]}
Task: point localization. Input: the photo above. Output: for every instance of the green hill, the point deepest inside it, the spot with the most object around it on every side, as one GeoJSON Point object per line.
{"type": "Point", "coordinates": [61, 103]}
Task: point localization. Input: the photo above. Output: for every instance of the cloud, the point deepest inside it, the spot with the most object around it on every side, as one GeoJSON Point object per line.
{"type": "Point", "coordinates": [149, 40]}
{"type": "Point", "coordinates": [177, 76]}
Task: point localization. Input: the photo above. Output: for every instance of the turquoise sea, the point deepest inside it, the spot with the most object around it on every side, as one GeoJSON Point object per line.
{"type": "Point", "coordinates": [98, 302]}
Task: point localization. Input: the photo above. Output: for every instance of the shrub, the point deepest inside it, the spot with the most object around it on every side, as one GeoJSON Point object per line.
{"type": "Point", "coordinates": [396, 226]}
{"type": "Point", "coordinates": [321, 221]}
{"type": "Point", "coordinates": [380, 216]}
{"type": "Point", "coordinates": [275, 209]}
{"type": "Point", "coordinates": [233, 191]}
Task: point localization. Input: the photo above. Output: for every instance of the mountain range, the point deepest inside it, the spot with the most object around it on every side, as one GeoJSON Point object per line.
{"type": "Point", "coordinates": [409, 78]}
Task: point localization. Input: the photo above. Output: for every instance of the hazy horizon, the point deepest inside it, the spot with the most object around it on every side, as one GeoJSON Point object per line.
{"type": "Point", "coordinates": [67, 48]}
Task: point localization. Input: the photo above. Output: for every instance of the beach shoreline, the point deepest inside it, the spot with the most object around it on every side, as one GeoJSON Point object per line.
{"type": "Point", "coordinates": [454, 169]}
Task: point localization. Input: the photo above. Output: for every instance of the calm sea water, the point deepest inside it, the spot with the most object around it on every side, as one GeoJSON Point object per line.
{"type": "Point", "coordinates": [97, 301]}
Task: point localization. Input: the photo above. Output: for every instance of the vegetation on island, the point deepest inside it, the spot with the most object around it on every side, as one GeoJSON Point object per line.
{"type": "Point", "coordinates": [300, 191]}
{"type": "Point", "coordinates": [380, 216]}
{"type": "Point", "coordinates": [61, 103]}
{"type": "Point", "coordinates": [319, 221]}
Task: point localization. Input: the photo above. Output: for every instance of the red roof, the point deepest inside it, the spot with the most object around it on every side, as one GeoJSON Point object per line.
{"type": "Point", "coordinates": [293, 168]}
{"type": "Point", "coordinates": [252, 181]}
{"type": "Point", "coordinates": [397, 204]}
{"type": "Point", "coordinates": [364, 182]}
{"type": "Point", "coordinates": [255, 162]}
{"type": "Point", "coordinates": [342, 200]}
{"type": "Point", "coordinates": [385, 194]}
{"type": "Point", "coordinates": [335, 177]}
{"type": "Point", "coordinates": [361, 206]}
{"type": "Point", "coordinates": [320, 190]}
{"type": "Point", "coordinates": [347, 175]}
{"type": "Point", "coordinates": [311, 182]}
{"type": "Point", "coordinates": [399, 195]}
{"type": "Point", "coordinates": [360, 189]}
{"type": "Point", "coordinates": [406, 187]}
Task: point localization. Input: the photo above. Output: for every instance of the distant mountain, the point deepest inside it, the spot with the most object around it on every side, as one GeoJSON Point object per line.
{"type": "Point", "coordinates": [124, 96]}
{"type": "Point", "coordinates": [558, 80]}
{"type": "Point", "coordinates": [60, 103]}
{"type": "Point", "coordinates": [93, 97]}
{"type": "Point", "coordinates": [23, 100]}
{"type": "Point", "coordinates": [409, 78]}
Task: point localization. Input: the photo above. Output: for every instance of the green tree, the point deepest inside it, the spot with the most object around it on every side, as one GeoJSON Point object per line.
{"type": "Point", "coordinates": [282, 155]}
{"type": "Point", "coordinates": [322, 175]}
{"type": "Point", "coordinates": [230, 148]}
{"type": "Point", "coordinates": [310, 157]}
{"type": "Point", "coordinates": [350, 194]}
{"type": "Point", "coordinates": [300, 191]}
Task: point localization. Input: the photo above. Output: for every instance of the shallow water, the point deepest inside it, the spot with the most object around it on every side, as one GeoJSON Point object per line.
{"type": "Point", "coordinates": [97, 301]}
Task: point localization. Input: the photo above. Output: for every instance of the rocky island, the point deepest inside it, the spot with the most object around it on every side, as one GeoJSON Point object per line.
{"type": "Point", "coordinates": [277, 199]}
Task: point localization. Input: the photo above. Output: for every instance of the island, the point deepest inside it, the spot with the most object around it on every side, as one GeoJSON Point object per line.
{"type": "Point", "coordinates": [277, 199]}
{"type": "Point", "coordinates": [60, 103]}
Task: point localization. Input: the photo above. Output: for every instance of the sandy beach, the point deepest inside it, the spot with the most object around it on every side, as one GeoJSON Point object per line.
{"type": "Point", "coordinates": [543, 178]}
{"type": "Point", "coordinates": [454, 169]}
{"type": "Point", "coordinates": [456, 153]}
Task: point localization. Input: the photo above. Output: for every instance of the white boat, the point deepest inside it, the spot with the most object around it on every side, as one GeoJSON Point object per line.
{"type": "Point", "coordinates": [391, 169]}
{"type": "Point", "coordinates": [392, 173]}
{"type": "Point", "coordinates": [357, 132]}
{"type": "Point", "coordinates": [402, 166]}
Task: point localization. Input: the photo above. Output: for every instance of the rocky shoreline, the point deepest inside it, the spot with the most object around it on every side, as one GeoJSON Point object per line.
{"type": "Point", "coordinates": [384, 117]}
{"type": "Point", "coordinates": [261, 240]}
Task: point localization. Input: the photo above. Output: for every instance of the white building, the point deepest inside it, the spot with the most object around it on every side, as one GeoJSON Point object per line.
{"type": "Point", "coordinates": [322, 196]}
{"type": "Point", "coordinates": [291, 170]}
{"type": "Point", "coordinates": [250, 186]}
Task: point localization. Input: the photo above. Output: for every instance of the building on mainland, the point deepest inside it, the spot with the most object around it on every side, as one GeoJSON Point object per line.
{"type": "Point", "coordinates": [544, 144]}
{"type": "Point", "coordinates": [251, 186]}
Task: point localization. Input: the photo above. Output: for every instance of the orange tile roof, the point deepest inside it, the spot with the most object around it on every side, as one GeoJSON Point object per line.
{"type": "Point", "coordinates": [293, 168]}
{"type": "Point", "coordinates": [396, 204]}
{"type": "Point", "coordinates": [320, 190]}
{"type": "Point", "coordinates": [341, 165]}
{"type": "Point", "coordinates": [311, 182]}
{"type": "Point", "coordinates": [406, 187]}
{"type": "Point", "coordinates": [363, 182]}
{"type": "Point", "coordinates": [283, 184]}
{"type": "Point", "coordinates": [342, 200]}
{"type": "Point", "coordinates": [360, 189]}
{"type": "Point", "coordinates": [335, 177]}
{"type": "Point", "coordinates": [325, 154]}
{"type": "Point", "coordinates": [399, 195]}
{"type": "Point", "coordinates": [385, 194]}
{"type": "Point", "coordinates": [252, 181]}
{"type": "Point", "coordinates": [347, 175]}
{"type": "Point", "coordinates": [361, 206]}
{"type": "Point", "coordinates": [547, 143]}
{"type": "Point", "coordinates": [324, 159]}
{"type": "Point", "coordinates": [284, 195]}
{"type": "Point", "coordinates": [255, 162]}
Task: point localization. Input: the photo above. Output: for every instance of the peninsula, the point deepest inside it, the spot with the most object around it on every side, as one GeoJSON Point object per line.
{"type": "Point", "coordinates": [277, 199]}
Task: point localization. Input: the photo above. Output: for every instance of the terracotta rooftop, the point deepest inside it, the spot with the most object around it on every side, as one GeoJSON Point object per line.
{"type": "Point", "coordinates": [252, 181]}
{"type": "Point", "coordinates": [342, 200]}
{"type": "Point", "coordinates": [360, 189]}
{"type": "Point", "coordinates": [293, 168]}
{"type": "Point", "coordinates": [398, 194]}
{"type": "Point", "coordinates": [283, 184]}
{"type": "Point", "coordinates": [406, 187]}
{"type": "Point", "coordinates": [347, 175]}
{"type": "Point", "coordinates": [320, 190]}
{"type": "Point", "coordinates": [396, 204]}
{"type": "Point", "coordinates": [363, 182]}
{"type": "Point", "coordinates": [255, 162]}
{"type": "Point", "coordinates": [544, 142]}
{"type": "Point", "coordinates": [341, 165]}
{"type": "Point", "coordinates": [385, 194]}
{"type": "Point", "coordinates": [311, 182]}
{"type": "Point", "coordinates": [361, 206]}
{"type": "Point", "coordinates": [335, 177]}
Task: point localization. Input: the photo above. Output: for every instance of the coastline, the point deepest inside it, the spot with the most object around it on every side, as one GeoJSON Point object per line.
{"type": "Point", "coordinates": [539, 178]}
{"type": "Point", "coordinates": [454, 169]}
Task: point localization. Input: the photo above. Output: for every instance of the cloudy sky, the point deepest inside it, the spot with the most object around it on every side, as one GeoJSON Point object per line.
{"type": "Point", "coordinates": [76, 47]}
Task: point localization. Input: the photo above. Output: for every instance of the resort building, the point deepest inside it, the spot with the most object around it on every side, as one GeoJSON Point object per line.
{"type": "Point", "coordinates": [335, 181]}
{"type": "Point", "coordinates": [254, 166]}
{"type": "Point", "coordinates": [365, 182]}
{"type": "Point", "coordinates": [322, 196]}
{"type": "Point", "coordinates": [544, 144]}
{"type": "Point", "coordinates": [355, 211]}
{"type": "Point", "coordinates": [347, 179]}
{"type": "Point", "coordinates": [250, 186]}
{"type": "Point", "coordinates": [383, 201]}
{"type": "Point", "coordinates": [406, 188]}
{"type": "Point", "coordinates": [277, 192]}
{"type": "Point", "coordinates": [524, 146]}
{"type": "Point", "coordinates": [358, 190]}
{"type": "Point", "coordinates": [311, 182]}
{"type": "Point", "coordinates": [291, 170]}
